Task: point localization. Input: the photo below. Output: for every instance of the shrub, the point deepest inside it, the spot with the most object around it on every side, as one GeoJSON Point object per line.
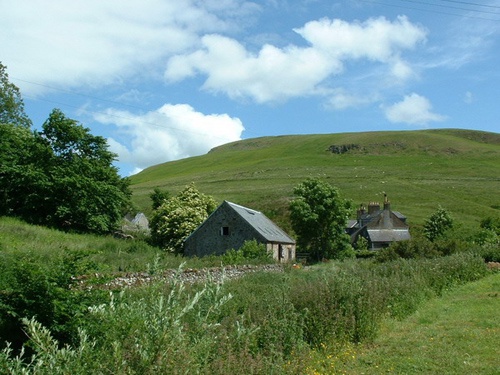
{"type": "Point", "coordinates": [437, 224]}
{"type": "Point", "coordinates": [177, 217]}
{"type": "Point", "coordinates": [489, 252]}
{"type": "Point", "coordinates": [250, 251]}
{"type": "Point", "coordinates": [32, 289]}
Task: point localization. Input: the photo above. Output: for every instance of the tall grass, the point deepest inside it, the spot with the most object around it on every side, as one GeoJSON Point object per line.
{"type": "Point", "coordinates": [96, 254]}
{"type": "Point", "coordinates": [262, 323]}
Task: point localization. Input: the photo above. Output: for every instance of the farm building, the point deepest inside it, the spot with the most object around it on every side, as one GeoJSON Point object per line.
{"type": "Point", "coordinates": [380, 227]}
{"type": "Point", "coordinates": [230, 225]}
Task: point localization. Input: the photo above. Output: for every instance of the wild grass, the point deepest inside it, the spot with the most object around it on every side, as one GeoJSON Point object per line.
{"type": "Point", "coordinates": [264, 323]}
{"type": "Point", "coordinates": [97, 254]}
{"type": "Point", "coordinates": [455, 334]}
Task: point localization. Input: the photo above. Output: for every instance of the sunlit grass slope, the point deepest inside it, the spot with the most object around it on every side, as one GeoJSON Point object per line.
{"type": "Point", "coordinates": [419, 170]}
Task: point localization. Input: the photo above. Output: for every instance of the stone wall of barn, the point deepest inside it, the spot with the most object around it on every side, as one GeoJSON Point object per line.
{"type": "Point", "coordinates": [223, 231]}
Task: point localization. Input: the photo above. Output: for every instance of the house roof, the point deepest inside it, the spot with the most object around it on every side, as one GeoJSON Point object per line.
{"type": "Point", "coordinates": [266, 228]}
{"type": "Point", "coordinates": [388, 235]}
{"type": "Point", "coordinates": [382, 225]}
{"type": "Point", "coordinates": [388, 220]}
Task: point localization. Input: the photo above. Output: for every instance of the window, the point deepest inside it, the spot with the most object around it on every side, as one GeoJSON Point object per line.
{"type": "Point", "coordinates": [224, 231]}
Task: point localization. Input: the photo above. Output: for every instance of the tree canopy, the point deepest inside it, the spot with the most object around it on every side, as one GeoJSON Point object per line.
{"type": "Point", "coordinates": [177, 217]}
{"type": "Point", "coordinates": [319, 216]}
{"type": "Point", "coordinates": [61, 176]}
{"type": "Point", "coordinates": [11, 102]}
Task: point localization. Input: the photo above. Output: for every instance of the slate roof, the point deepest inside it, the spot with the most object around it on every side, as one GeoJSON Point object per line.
{"type": "Point", "coordinates": [388, 235]}
{"type": "Point", "coordinates": [380, 226]}
{"type": "Point", "coordinates": [266, 228]}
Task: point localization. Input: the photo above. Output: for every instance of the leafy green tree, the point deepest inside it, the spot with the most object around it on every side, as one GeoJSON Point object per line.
{"type": "Point", "coordinates": [62, 177]}
{"type": "Point", "coordinates": [178, 216]}
{"type": "Point", "coordinates": [437, 224]}
{"type": "Point", "coordinates": [87, 193]}
{"type": "Point", "coordinates": [158, 196]}
{"type": "Point", "coordinates": [11, 102]}
{"type": "Point", "coordinates": [319, 216]}
{"type": "Point", "coordinates": [16, 145]}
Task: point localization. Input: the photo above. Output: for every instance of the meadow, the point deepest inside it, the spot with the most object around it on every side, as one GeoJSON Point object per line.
{"type": "Point", "coordinates": [455, 334]}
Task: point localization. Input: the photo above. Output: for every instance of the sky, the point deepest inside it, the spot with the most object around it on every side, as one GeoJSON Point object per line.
{"type": "Point", "coordinates": [163, 80]}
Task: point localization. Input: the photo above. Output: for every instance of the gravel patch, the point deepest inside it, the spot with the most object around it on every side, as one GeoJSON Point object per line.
{"type": "Point", "coordinates": [188, 275]}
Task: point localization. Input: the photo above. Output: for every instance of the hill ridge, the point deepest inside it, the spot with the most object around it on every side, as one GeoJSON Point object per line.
{"type": "Point", "coordinates": [419, 169]}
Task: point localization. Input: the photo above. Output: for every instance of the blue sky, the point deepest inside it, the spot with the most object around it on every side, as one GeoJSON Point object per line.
{"type": "Point", "coordinates": [168, 79]}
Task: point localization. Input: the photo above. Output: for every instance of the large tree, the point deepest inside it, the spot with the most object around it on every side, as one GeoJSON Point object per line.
{"type": "Point", "coordinates": [61, 176]}
{"type": "Point", "coordinates": [174, 219]}
{"type": "Point", "coordinates": [11, 102]}
{"type": "Point", "coordinates": [16, 145]}
{"type": "Point", "coordinates": [87, 193]}
{"type": "Point", "coordinates": [319, 216]}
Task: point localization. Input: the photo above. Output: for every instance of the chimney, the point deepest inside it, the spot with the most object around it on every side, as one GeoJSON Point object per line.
{"type": "Point", "coordinates": [387, 203]}
{"type": "Point", "coordinates": [373, 207]}
{"type": "Point", "coordinates": [361, 211]}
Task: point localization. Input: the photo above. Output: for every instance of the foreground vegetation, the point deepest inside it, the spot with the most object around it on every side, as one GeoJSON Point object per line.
{"type": "Point", "coordinates": [291, 322]}
{"type": "Point", "coordinates": [228, 328]}
{"type": "Point", "coordinates": [455, 334]}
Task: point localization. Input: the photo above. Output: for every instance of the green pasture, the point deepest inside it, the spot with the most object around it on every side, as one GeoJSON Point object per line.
{"type": "Point", "coordinates": [419, 170]}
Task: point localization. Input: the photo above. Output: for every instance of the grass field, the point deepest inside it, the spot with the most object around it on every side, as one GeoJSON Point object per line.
{"type": "Point", "coordinates": [419, 170]}
{"type": "Point", "coordinates": [458, 333]}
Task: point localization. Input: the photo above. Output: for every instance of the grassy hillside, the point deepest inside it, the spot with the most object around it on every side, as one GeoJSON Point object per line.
{"type": "Point", "coordinates": [419, 170]}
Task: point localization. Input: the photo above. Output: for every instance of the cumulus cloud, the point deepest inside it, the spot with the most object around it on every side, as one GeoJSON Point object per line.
{"type": "Point", "coordinates": [95, 42]}
{"type": "Point", "coordinates": [171, 132]}
{"type": "Point", "coordinates": [275, 74]}
{"type": "Point", "coordinates": [342, 99]}
{"type": "Point", "coordinates": [413, 109]}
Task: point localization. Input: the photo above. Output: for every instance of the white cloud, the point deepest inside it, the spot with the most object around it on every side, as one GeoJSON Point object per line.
{"type": "Point", "coordinates": [95, 42]}
{"type": "Point", "coordinates": [413, 109]}
{"type": "Point", "coordinates": [342, 99]}
{"type": "Point", "coordinates": [468, 97]}
{"type": "Point", "coordinates": [275, 74]}
{"type": "Point", "coordinates": [376, 39]}
{"type": "Point", "coordinates": [169, 133]}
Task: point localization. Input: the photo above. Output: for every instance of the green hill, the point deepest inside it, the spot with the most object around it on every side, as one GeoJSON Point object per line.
{"type": "Point", "coordinates": [419, 170]}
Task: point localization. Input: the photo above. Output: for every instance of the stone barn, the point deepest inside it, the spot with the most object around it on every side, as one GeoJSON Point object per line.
{"type": "Point", "coordinates": [230, 225]}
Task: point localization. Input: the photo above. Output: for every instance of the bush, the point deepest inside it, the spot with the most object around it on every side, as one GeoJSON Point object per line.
{"type": "Point", "coordinates": [438, 224]}
{"type": "Point", "coordinates": [32, 289]}
{"type": "Point", "coordinates": [421, 247]}
{"type": "Point", "coordinates": [490, 252]}
{"type": "Point", "coordinates": [177, 217]}
{"type": "Point", "coordinates": [249, 251]}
